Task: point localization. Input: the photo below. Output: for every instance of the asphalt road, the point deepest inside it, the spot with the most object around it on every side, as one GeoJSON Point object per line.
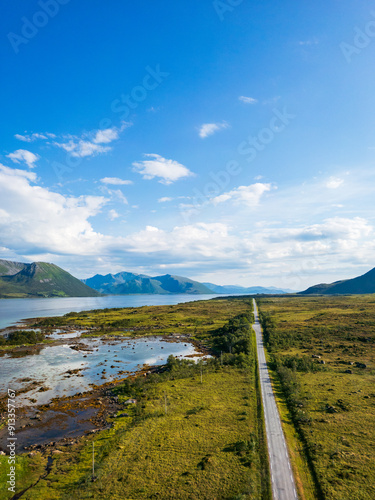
{"type": "Point", "coordinates": [283, 486]}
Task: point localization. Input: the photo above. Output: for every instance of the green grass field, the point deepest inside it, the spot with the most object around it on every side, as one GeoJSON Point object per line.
{"type": "Point", "coordinates": [333, 411]}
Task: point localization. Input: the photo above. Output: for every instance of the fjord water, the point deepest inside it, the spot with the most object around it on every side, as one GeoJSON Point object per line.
{"type": "Point", "coordinates": [15, 310]}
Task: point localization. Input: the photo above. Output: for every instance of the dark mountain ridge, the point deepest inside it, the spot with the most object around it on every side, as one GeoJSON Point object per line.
{"type": "Point", "coordinates": [360, 285]}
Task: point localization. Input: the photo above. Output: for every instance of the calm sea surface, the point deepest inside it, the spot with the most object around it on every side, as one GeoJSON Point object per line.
{"type": "Point", "coordinates": [14, 310]}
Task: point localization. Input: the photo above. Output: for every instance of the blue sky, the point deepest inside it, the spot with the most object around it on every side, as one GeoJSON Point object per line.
{"type": "Point", "coordinates": [228, 141]}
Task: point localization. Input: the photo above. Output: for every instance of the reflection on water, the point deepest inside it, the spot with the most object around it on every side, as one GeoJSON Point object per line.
{"type": "Point", "coordinates": [64, 370]}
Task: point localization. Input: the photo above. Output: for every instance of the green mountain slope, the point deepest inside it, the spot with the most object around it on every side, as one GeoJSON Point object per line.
{"type": "Point", "coordinates": [40, 279]}
{"type": "Point", "coordinates": [359, 285]}
{"type": "Point", "coordinates": [109, 282]}
{"type": "Point", "coordinates": [126, 283]}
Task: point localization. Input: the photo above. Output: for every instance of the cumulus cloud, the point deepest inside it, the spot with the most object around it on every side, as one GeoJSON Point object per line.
{"type": "Point", "coordinates": [164, 199]}
{"type": "Point", "coordinates": [248, 100]}
{"type": "Point", "coordinates": [35, 219]}
{"type": "Point", "coordinates": [247, 195]}
{"type": "Point", "coordinates": [115, 181]}
{"type": "Point", "coordinates": [167, 171]}
{"type": "Point", "coordinates": [210, 128]}
{"type": "Point", "coordinates": [23, 156]}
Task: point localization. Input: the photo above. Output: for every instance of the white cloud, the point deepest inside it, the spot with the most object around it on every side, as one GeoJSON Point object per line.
{"type": "Point", "coordinates": [114, 194]}
{"type": "Point", "coordinates": [292, 245]}
{"type": "Point", "coordinates": [164, 199]}
{"type": "Point", "coordinates": [167, 170]}
{"type": "Point", "coordinates": [34, 137]}
{"type": "Point", "coordinates": [210, 128]}
{"type": "Point", "coordinates": [333, 228]}
{"type": "Point", "coordinates": [248, 100]}
{"type": "Point", "coordinates": [194, 241]}
{"type": "Point", "coordinates": [312, 41]}
{"type": "Point", "coordinates": [105, 136]}
{"type": "Point", "coordinates": [112, 214]}
{"type": "Point", "coordinates": [334, 182]}
{"type": "Point", "coordinates": [118, 193]}
{"type": "Point", "coordinates": [115, 181]}
{"type": "Point", "coordinates": [82, 148]}
{"type": "Point", "coordinates": [40, 221]}
{"type": "Point", "coordinates": [247, 195]}
{"type": "Point", "coordinates": [22, 155]}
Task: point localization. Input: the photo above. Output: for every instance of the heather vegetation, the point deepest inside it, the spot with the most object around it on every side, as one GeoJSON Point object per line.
{"type": "Point", "coordinates": [322, 359]}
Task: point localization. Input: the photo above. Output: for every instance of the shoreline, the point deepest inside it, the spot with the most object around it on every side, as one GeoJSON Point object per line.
{"type": "Point", "coordinates": [64, 420]}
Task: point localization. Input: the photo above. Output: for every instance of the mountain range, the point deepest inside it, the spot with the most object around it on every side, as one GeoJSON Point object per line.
{"type": "Point", "coordinates": [39, 279]}
{"type": "Point", "coordinates": [359, 285]}
{"type": "Point", "coordinates": [125, 282]}
{"type": "Point", "coordinates": [246, 290]}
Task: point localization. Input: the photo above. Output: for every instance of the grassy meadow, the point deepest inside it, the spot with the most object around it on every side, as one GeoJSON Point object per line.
{"type": "Point", "coordinates": [195, 319]}
{"type": "Point", "coordinates": [322, 355]}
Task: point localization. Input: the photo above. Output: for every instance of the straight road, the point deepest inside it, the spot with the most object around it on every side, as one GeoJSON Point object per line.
{"type": "Point", "coordinates": [283, 486]}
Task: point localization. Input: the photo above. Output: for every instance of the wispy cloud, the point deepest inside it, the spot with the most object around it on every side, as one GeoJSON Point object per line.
{"type": "Point", "coordinates": [115, 181]}
{"type": "Point", "coordinates": [115, 194]}
{"type": "Point", "coordinates": [312, 41]}
{"type": "Point", "coordinates": [334, 182]}
{"type": "Point", "coordinates": [89, 143]}
{"type": "Point", "coordinates": [105, 136]}
{"type": "Point", "coordinates": [247, 195]}
{"type": "Point", "coordinates": [23, 156]}
{"type": "Point", "coordinates": [112, 215]}
{"type": "Point", "coordinates": [164, 199]}
{"type": "Point", "coordinates": [208, 129]}
{"type": "Point", "coordinates": [167, 171]}
{"type": "Point", "coordinates": [248, 100]}
{"type": "Point", "coordinates": [80, 148]}
{"type": "Point", "coordinates": [34, 137]}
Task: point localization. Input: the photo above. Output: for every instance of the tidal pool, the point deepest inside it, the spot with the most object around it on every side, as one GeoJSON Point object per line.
{"type": "Point", "coordinates": [70, 368]}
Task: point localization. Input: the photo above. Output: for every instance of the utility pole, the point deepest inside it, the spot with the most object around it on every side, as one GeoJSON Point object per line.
{"type": "Point", "coordinates": [165, 402]}
{"type": "Point", "coordinates": [93, 461]}
{"type": "Point", "coordinates": [201, 373]}
{"type": "Point", "coordinates": [221, 358]}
